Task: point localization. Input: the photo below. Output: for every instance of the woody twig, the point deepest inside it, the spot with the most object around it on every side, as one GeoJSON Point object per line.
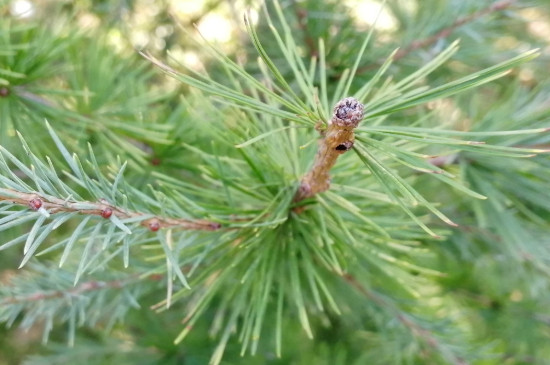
{"type": "Point", "coordinates": [52, 205]}
{"type": "Point", "coordinates": [337, 139]}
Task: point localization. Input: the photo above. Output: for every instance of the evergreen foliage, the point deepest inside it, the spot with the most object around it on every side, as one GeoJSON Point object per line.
{"type": "Point", "coordinates": [150, 206]}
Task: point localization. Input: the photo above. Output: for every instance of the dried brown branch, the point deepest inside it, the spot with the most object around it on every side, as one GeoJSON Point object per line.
{"type": "Point", "coordinates": [337, 139]}
{"type": "Point", "coordinates": [55, 205]}
{"type": "Point", "coordinates": [442, 33]}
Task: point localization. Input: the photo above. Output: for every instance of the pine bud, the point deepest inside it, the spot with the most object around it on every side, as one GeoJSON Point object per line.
{"type": "Point", "coordinates": [35, 204]}
{"type": "Point", "coordinates": [348, 112]}
{"type": "Point", "coordinates": [154, 225]}
{"type": "Point", "coordinates": [107, 213]}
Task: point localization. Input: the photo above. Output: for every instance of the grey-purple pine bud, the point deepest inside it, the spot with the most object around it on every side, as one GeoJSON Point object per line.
{"type": "Point", "coordinates": [348, 112]}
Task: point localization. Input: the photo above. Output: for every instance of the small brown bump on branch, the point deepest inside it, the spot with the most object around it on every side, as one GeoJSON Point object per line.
{"type": "Point", "coordinates": [35, 203]}
{"type": "Point", "coordinates": [337, 139]}
{"type": "Point", "coordinates": [154, 224]}
{"type": "Point", "coordinates": [106, 212]}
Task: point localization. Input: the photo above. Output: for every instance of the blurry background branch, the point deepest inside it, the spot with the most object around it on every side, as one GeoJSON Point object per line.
{"type": "Point", "coordinates": [444, 33]}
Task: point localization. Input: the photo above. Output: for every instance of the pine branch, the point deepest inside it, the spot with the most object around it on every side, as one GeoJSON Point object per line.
{"type": "Point", "coordinates": [47, 296]}
{"type": "Point", "coordinates": [416, 330]}
{"type": "Point", "coordinates": [49, 204]}
{"type": "Point", "coordinates": [78, 290]}
{"type": "Point", "coordinates": [442, 33]}
{"type": "Point", "coordinates": [52, 195]}
{"type": "Point", "coordinates": [388, 98]}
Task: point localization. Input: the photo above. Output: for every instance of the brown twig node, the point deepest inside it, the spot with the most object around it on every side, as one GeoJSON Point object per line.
{"type": "Point", "coordinates": [337, 139]}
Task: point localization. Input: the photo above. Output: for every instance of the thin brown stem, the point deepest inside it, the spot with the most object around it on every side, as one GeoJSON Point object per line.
{"type": "Point", "coordinates": [442, 33]}
{"type": "Point", "coordinates": [77, 290]}
{"type": "Point", "coordinates": [418, 331]}
{"type": "Point", "coordinates": [337, 139]}
{"type": "Point", "coordinates": [56, 205]}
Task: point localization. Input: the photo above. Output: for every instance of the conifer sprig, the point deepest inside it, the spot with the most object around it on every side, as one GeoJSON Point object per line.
{"type": "Point", "coordinates": [379, 98]}
{"type": "Point", "coordinates": [88, 94]}
{"type": "Point", "coordinates": [52, 197]}
{"type": "Point", "coordinates": [375, 147]}
{"type": "Point", "coordinates": [40, 296]}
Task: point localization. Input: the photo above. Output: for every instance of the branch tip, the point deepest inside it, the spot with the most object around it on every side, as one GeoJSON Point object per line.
{"type": "Point", "coordinates": [348, 112]}
{"type": "Point", "coordinates": [338, 138]}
